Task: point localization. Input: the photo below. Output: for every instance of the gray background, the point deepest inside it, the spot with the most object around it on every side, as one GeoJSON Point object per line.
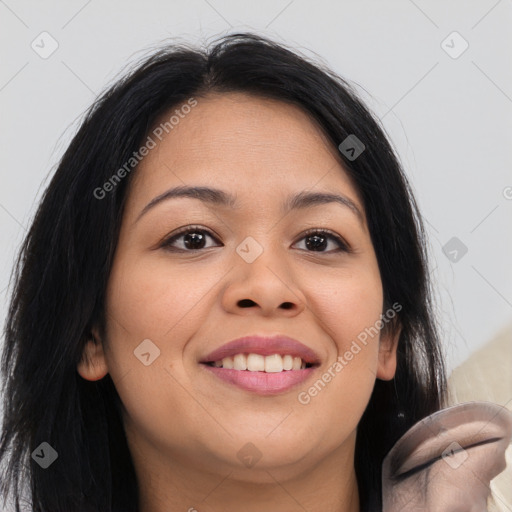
{"type": "Point", "coordinates": [449, 118]}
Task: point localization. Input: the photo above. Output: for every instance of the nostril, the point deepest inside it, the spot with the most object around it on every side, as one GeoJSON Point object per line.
{"type": "Point", "coordinates": [246, 303]}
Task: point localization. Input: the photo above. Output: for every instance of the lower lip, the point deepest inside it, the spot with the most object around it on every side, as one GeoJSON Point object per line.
{"type": "Point", "coordinates": [262, 383]}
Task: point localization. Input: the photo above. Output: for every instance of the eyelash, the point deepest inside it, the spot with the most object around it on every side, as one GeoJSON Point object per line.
{"type": "Point", "coordinates": [342, 245]}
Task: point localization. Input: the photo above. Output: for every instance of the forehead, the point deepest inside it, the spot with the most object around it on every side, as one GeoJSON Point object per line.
{"type": "Point", "coordinates": [243, 143]}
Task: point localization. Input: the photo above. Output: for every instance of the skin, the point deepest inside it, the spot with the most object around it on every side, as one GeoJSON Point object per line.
{"type": "Point", "coordinates": [184, 426]}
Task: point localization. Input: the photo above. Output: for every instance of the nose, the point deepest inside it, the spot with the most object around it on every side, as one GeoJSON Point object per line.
{"type": "Point", "coordinates": [264, 287]}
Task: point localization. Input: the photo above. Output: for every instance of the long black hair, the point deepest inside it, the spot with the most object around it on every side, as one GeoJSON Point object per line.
{"type": "Point", "coordinates": [64, 263]}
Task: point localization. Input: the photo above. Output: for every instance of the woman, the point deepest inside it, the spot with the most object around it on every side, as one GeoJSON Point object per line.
{"type": "Point", "coordinates": [223, 300]}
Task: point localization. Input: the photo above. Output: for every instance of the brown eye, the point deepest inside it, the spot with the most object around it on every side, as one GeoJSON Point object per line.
{"type": "Point", "coordinates": [194, 238]}
{"type": "Point", "coordinates": [318, 241]}
{"type": "Point", "coordinates": [190, 239]}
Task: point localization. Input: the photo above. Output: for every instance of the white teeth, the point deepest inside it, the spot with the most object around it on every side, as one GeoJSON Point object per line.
{"type": "Point", "coordinates": [227, 363]}
{"type": "Point", "coordinates": [274, 363]}
{"type": "Point", "coordinates": [255, 363]}
{"type": "Point", "coordinates": [240, 362]}
{"type": "Point", "coordinates": [297, 363]}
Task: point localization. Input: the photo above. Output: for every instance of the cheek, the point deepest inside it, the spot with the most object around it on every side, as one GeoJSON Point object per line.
{"type": "Point", "coordinates": [152, 299]}
{"type": "Point", "coordinates": [348, 306]}
{"type": "Point", "coordinates": [141, 306]}
{"type": "Point", "coordinates": [143, 313]}
{"type": "Point", "coordinates": [347, 309]}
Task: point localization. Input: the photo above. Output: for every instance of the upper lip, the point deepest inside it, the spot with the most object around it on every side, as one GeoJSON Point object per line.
{"type": "Point", "coordinates": [265, 346]}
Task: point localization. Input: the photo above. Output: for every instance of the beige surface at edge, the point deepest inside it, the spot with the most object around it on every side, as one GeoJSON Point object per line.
{"type": "Point", "coordinates": [487, 375]}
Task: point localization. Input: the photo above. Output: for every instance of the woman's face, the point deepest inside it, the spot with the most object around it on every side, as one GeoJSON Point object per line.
{"type": "Point", "coordinates": [253, 272]}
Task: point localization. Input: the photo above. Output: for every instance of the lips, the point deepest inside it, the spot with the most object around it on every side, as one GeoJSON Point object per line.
{"type": "Point", "coordinates": [265, 346]}
{"type": "Point", "coordinates": [258, 378]}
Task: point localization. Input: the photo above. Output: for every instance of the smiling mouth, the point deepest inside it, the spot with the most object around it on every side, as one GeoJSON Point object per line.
{"type": "Point", "coordinates": [264, 375]}
{"type": "Point", "coordinates": [274, 363]}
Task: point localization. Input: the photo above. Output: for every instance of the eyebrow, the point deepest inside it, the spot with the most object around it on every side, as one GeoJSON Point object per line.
{"type": "Point", "coordinates": [214, 196]}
